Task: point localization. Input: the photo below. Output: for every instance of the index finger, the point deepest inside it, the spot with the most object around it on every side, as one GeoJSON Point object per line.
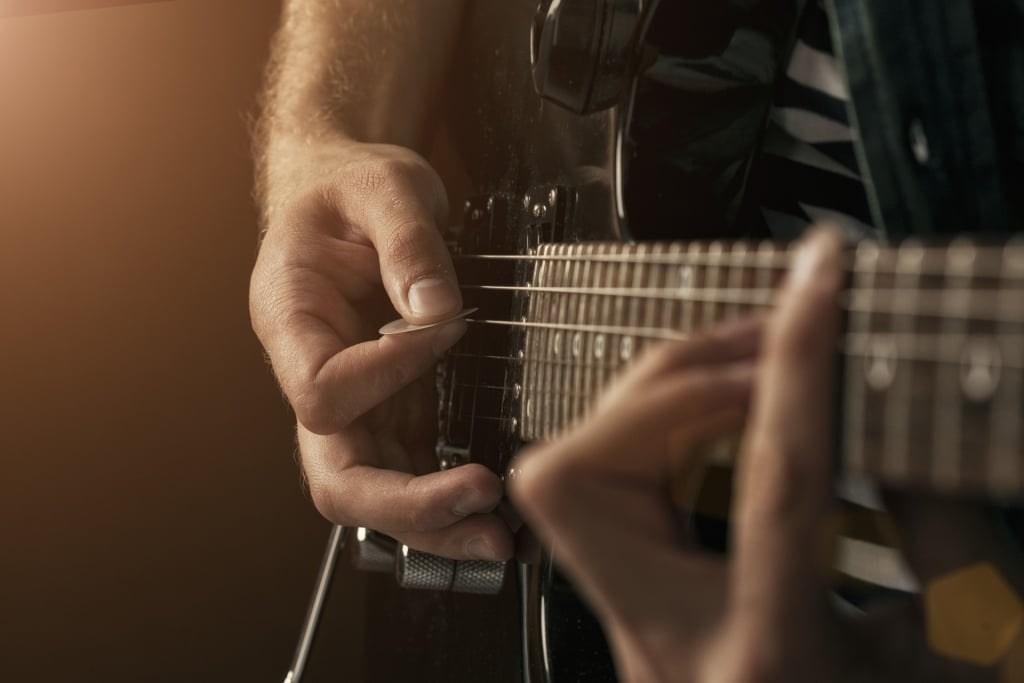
{"type": "Point", "coordinates": [785, 471]}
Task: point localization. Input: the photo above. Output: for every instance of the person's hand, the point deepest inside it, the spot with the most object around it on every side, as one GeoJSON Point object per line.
{"type": "Point", "coordinates": [765, 614]}
{"type": "Point", "coordinates": [353, 241]}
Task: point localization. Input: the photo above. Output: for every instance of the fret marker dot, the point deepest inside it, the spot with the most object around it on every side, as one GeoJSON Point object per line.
{"type": "Point", "coordinates": [1013, 255]}
{"type": "Point", "coordinates": [577, 343]}
{"type": "Point", "coordinates": [626, 348]}
{"type": "Point", "coordinates": [880, 369]}
{"type": "Point", "coordinates": [556, 343]}
{"type": "Point", "coordinates": [529, 407]}
{"type": "Point", "coordinates": [599, 346]}
{"type": "Point", "coordinates": [980, 369]}
{"type": "Point", "coordinates": [686, 277]}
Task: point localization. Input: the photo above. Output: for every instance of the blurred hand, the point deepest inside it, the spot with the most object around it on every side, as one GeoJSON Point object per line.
{"type": "Point", "coordinates": [674, 613]}
{"type": "Point", "coordinates": [353, 241]}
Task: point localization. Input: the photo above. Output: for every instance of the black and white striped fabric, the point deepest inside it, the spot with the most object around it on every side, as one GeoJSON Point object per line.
{"type": "Point", "coordinates": [808, 174]}
{"type": "Point", "coordinates": [808, 169]}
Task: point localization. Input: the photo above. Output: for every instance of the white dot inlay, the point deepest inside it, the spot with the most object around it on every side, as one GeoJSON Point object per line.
{"type": "Point", "coordinates": [880, 365]}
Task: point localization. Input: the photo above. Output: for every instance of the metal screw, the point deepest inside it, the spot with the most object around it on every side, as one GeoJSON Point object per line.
{"type": "Point", "coordinates": [552, 197]}
{"type": "Point", "coordinates": [540, 210]}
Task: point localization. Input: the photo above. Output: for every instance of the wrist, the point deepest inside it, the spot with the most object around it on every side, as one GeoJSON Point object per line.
{"type": "Point", "coordinates": [286, 162]}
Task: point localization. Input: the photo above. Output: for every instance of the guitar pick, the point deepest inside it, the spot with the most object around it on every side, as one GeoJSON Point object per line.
{"type": "Point", "coordinates": [401, 326]}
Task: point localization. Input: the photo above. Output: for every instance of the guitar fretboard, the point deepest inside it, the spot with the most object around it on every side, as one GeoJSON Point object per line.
{"type": "Point", "coordinates": [933, 350]}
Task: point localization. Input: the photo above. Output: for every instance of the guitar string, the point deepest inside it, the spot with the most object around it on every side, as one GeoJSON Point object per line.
{"type": "Point", "coordinates": [984, 304]}
{"type": "Point", "coordinates": [774, 260]}
{"type": "Point", "coordinates": [852, 346]}
{"type": "Point", "coordinates": [921, 262]}
{"type": "Point", "coordinates": [851, 343]}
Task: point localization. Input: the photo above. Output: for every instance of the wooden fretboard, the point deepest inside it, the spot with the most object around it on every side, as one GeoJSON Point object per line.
{"type": "Point", "coordinates": [933, 349]}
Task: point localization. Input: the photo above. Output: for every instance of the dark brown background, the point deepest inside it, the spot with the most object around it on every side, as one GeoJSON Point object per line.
{"type": "Point", "coordinates": [152, 523]}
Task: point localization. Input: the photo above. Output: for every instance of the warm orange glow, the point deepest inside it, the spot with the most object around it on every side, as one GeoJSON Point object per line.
{"type": "Point", "coordinates": [18, 8]}
{"type": "Point", "coordinates": [153, 523]}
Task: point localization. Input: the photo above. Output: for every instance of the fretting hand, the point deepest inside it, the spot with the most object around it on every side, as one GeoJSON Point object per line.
{"type": "Point", "coordinates": [600, 499]}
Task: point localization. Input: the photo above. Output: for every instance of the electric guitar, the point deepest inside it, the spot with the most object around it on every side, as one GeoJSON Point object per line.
{"type": "Point", "coordinates": [580, 244]}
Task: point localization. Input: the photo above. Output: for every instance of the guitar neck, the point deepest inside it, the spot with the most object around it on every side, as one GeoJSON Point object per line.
{"type": "Point", "coordinates": [932, 352]}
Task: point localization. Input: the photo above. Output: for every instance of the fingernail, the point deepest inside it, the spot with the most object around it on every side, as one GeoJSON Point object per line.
{"type": "Point", "coordinates": [447, 335]}
{"type": "Point", "coordinates": [480, 549]}
{"type": "Point", "coordinates": [433, 297]}
{"type": "Point", "coordinates": [473, 502]}
{"type": "Point", "coordinates": [807, 263]}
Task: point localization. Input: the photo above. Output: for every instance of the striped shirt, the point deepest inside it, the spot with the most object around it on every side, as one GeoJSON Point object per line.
{"type": "Point", "coordinates": [809, 174]}
{"type": "Point", "coordinates": [808, 168]}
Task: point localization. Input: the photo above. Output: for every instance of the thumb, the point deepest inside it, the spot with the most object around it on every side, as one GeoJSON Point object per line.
{"type": "Point", "coordinates": [415, 266]}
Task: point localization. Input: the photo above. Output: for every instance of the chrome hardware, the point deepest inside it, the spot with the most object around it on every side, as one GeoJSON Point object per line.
{"type": "Point", "coordinates": [414, 569]}
{"type": "Point", "coordinates": [376, 552]}
{"type": "Point", "coordinates": [373, 552]}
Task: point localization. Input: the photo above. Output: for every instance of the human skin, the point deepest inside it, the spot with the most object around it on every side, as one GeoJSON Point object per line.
{"type": "Point", "coordinates": [351, 216]}
{"type": "Point", "coordinates": [600, 499]}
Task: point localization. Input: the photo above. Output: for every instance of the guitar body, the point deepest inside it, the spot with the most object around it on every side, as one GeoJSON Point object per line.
{"type": "Point", "coordinates": [521, 172]}
{"type": "Point", "coordinates": [543, 201]}
{"type": "Point", "coordinates": [507, 140]}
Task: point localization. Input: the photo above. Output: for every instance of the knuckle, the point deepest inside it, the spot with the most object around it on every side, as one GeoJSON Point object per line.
{"type": "Point", "coordinates": [314, 411]}
{"type": "Point", "coordinates": [418, 516]}
{"type": "Point", "coordinates": [313, 404]}
{"type": "Point", "coordinates": [403, 244]}
{"type": "Point", "coordinates": [382, 173]}
{"type": "Point", "coordinates": [324, 500]}
{"type": "Point", "coordinates": [373, 177]}
{"type": "Point", "coordinates": [419, 509]}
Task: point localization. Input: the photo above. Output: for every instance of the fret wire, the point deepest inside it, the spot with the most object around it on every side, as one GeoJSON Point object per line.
{"type": "Point", "coordinates": [563, 375]}
{"type": "Point", "coordinates": [898, 400]}
{"type": "Point", "coordinates": [1005, 472]}
{"type": "Point", "coordinates": [627, 347]}
{"type": "Point", "coordinates": [577, 347]}
{"type": "Point", "coordinates": [779, 260]}
{"type": "Point", "coordinates": [947, 400]}
{"type": "Point", "coordinates": [545, 340]}
{"type": "Point", "coordinates": [590, 379]}
{"type": "Point", "coordinates": [611, 273]}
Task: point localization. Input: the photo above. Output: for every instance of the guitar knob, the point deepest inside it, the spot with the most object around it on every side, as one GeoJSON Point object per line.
{"type": "Point", "coordinates": [414, 569]}
{"type": "Point", "coordinates": [374, 552]}
{"type": "Point", "coordinates": [580, 51]}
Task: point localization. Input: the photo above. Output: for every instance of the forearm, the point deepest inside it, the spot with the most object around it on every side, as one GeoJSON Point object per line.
{"type": "Point", "coordinates": [352, 70]}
